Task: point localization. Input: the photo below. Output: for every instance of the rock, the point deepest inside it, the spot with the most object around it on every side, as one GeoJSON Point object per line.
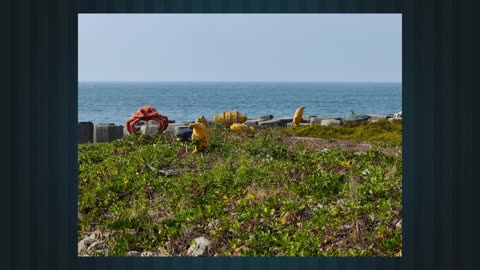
{"type": "Point", "coordinates": [82, 247]}
{"type": "Point", "coordinates": [199, 247]}
{"type": "Point", "coordinates": [399, 224]}
{"type": "Point", "coordinates": [264, 117]}
{"type": "Point", "coordinates": [397, 115]}
{"type": "Point", "coordinates": [168, 173]}
{"type": "Point", "coordinates": [133, 254]}
{"type": "Point", "coordinates": [148, 254]}
{"type": "Point", "coordinates": [212, 225]}
{"type": "Point", "coordinates": [345, 227]}
{"type": "Point", "coordinates": [95, 246]}
{"type": "Point", "coordinates": [330, 122]}
{"type": "Point", "coordinates": [79, 215]}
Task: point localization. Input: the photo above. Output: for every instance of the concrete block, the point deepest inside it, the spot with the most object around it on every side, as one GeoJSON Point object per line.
{"type": "Point", "coordinates": [85, 132]}
{"type": "Point", "coordinates": [330, 122]}
{"type": "Point", "coordinates": [107, 133]}
{"type": "Point", "coordinates": [264, 117]}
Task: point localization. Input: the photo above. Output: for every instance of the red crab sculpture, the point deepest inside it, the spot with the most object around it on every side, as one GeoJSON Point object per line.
{"type": "Point", "coordinates": [146, 113]}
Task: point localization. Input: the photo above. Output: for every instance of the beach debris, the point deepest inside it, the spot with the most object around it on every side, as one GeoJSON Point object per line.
{"type": "Point", "coordinates": [229, 118]}
{"type": "Point", "coordinates": [200, 137]}
{"type": "Point", "coordinates": [199, 247]}
{"type": "Point", "coordinates": [146, 113]}
{"type": "Point", "coordinates": [242, 128]}
{"type": "Point", "coordinates": [298, 117]}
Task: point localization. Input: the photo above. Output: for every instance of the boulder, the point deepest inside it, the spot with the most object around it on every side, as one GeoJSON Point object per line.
{"type": "Point", "coordinates": [199, 247]}
{"type": "Point", "coordinates": [306, 118]}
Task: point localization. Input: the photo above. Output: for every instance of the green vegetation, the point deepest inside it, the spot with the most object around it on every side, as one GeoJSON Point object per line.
{"type": "Point", "coordinates": [250, 195]}
{"type": "Point", "coordinates": [383, 132]}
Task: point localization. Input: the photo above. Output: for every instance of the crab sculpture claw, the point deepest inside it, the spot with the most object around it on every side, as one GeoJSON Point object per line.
{"type": "Point", "coordinates": [146, 113]}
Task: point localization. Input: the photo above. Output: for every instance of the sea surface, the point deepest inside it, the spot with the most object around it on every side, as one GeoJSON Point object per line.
{"type": "Point", "coordinates": [115, 102]}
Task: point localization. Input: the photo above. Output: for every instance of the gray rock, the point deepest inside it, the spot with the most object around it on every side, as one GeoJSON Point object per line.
{"type": "Point", "coordinates": [264, 117]}
{"type": "Point", "coordinates": [399, 224]}
{"type": "Point", "coordinates": [345, 227]}
{"type": "Point", "coordinates": [330, 122]}
{"type": "Point", "coordinates": [168, 173]}
{"type": "Point", "coordinates": [82, 247]}
{"type": "Point", "coordinates": [133, 254]}
{"type": "Point", "coordinates": [212, 225]}
{"type": "Point", "coordinates": [95, 246]}
{"type": "Point", "coordinates": [356, 117]}
{"type": "Point", "coordinates": [148, 254]}
{"type": "Point", "coordinates": [199, 247]}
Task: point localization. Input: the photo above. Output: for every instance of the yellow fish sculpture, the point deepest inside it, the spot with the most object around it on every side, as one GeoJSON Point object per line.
{"type": "Point", "coordinates": [229, 118]}
{"type": "Point", "coordinates": [203, 120]}
{"type": "Point", "coordinates": [242, 128]}
{"type": "Point", "coordinates": [200, 137]}
{"type": "Point", "coordinates": [297, 118]}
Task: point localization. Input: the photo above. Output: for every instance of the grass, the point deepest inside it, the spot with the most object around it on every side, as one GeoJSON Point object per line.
{"type": "Point", "coordinates": [250, 195]}
{"type": "Point", "coordinates": [383, 132]}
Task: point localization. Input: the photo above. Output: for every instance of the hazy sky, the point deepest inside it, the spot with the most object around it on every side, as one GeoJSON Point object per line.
{"type": "Point", "coordinates": [240, 47]}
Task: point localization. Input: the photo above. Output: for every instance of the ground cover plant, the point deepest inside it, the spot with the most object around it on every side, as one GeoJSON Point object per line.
{"type": "Point", "coordinates": [250, 195]}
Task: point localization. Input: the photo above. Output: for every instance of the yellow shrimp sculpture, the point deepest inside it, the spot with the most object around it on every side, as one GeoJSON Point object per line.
{"type": "Point", "coordinates": [297, 118]}
{"type": "Point", "coordinates": [200, 137]}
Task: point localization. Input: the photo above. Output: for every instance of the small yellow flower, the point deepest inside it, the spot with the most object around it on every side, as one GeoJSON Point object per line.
{"type": "Point", "coordinates": [250, 197]}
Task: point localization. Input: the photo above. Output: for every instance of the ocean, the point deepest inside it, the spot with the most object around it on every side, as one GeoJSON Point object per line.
{"type": "Point", "coordinates": [115, 102]}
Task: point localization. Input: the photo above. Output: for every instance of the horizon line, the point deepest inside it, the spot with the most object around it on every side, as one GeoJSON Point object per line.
{"type": "Point", "coordinates": [152, 81]}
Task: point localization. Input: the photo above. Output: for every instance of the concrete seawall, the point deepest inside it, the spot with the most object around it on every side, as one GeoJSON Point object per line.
{"type": "Point", "coordinates": [90, 133]}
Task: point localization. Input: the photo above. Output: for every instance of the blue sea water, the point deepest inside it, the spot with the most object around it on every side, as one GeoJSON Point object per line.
{"type": "Point", "coordinates": [115, 102]}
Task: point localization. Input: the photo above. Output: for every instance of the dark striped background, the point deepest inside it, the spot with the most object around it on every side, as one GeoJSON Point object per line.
{"type": "Point", "coordinates": [39, 115]}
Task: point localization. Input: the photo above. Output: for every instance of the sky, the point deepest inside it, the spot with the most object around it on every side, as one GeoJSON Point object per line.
{"type": "Point", "coordinates": [240, 47]}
